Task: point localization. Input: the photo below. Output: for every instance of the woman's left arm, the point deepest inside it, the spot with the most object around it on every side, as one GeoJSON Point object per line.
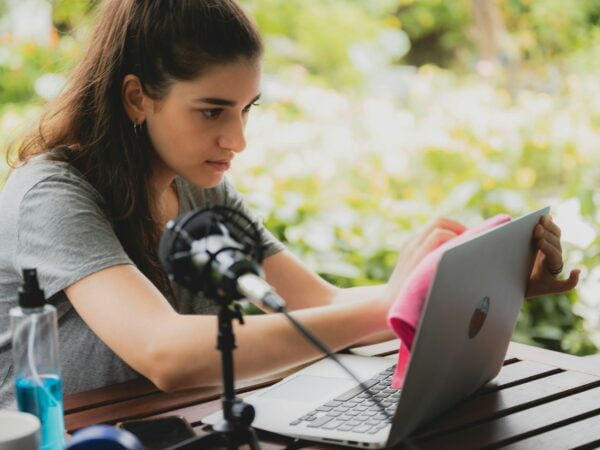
{"type": "Point", "coordinates": [549, 262]}
{"type": "Point", "coordinates": [302, 288]}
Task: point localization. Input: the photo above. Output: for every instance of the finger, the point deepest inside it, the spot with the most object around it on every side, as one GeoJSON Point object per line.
{"type": "Point", "coordinates": [411, 245]}
{"type": "Point", "coordinates": [569, 283]}
{"type": "Point", "coordinates": [548, 224]}
{"type": "Point", "coordinates": [452, 225]}
{"type": "Point", "coordinates": [436, 238]}
{"type": "Point", "coordinates": [554, 285]}
{"type": "Point", "coordinates": [550, 239]}
{"type": "Point", "coordinates": [443, 223]}
{"type": "Point", "coordinates": [553, 258]}
{"type": "Point", "coordinates": [553, 240]}
{"type": "Point", "coordinates": [414, 252]}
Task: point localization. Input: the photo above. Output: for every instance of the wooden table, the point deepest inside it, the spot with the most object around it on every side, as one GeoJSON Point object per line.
{"type": "Point", "coordinates": [540, 400]}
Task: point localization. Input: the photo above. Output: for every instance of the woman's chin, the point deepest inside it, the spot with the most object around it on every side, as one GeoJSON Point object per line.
{"type": "Point", "coordinates": [205, 181]}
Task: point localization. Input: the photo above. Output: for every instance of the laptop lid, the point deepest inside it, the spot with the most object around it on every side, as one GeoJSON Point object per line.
{"type": "Point", "coordinates": [467, 321]}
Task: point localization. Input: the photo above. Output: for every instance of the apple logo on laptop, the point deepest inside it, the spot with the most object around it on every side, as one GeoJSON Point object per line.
{"type": "Point", "coordinates": [479, 316]}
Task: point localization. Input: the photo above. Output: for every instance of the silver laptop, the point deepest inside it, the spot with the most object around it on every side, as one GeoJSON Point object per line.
{"type": "Point", "coordinates": [462, 338]}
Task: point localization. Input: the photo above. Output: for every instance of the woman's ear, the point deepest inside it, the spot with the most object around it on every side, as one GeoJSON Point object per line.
{"type": "Point", "coordinates": [133, 98]}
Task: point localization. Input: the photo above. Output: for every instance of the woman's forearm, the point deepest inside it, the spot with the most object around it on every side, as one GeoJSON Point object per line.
{"type": "Point", "coordinates": [265, 343]}
{"type": "Point", "coordinates": [357, 294]}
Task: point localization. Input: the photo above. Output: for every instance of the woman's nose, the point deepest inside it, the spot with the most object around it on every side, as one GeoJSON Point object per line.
{"type": "Point", "coordinates": [234, 137]}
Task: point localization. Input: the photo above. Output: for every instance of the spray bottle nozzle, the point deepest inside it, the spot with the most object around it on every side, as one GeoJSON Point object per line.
{"type": "Point", "coordinates": [30, 281]}
{"type": "Point", "coordinates": [30, 294]}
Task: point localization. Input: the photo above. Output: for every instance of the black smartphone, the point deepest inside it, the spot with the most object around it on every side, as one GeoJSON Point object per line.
{"type": "Point", "coordinates": [159, 433]}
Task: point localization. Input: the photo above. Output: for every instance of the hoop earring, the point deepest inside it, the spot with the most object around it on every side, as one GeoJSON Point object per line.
{"type": "Point", "coordinates": [136, 129]}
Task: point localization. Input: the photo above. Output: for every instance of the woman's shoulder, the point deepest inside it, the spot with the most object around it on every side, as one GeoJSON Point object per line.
{"type": "Point", "coordinates": [46, 191]}
{"type": "Point", "coordinates": [43, 170]}
{"type": "Point", "coordinates": [37, 169]}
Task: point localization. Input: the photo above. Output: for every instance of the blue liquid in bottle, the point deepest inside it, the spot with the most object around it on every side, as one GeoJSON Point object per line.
{"type": "Point", "coordinates": [45, 401]}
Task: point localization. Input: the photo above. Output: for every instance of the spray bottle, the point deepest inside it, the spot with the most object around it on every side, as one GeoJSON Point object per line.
{"type": "Point", "coordinates": [36, 364]}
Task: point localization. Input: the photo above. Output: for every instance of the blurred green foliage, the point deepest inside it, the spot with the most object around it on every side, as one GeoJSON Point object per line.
{"type": "Point", "coordinates": [552, 28]}
{"type": "Point", "coordinates": [542, 30]}
{"type": "Point", "coordinates": [375, 120]}
{"type": "Point", "coordinates": [436, 29]}
{"type": "Point", "coordinates": [316, 35]}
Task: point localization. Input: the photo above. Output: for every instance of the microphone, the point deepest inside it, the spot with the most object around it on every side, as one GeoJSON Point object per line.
{"type": "Point", "coordinates": [218, 251]}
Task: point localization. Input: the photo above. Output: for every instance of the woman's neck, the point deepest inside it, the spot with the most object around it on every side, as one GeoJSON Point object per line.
{"type": "Point", "coordinates": [168, 207]}
{"type": "Point", "coordinates": [167, 200]}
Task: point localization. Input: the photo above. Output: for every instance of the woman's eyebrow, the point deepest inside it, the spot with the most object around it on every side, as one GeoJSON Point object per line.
{"type": "Point", "coordinates": [222, 101]}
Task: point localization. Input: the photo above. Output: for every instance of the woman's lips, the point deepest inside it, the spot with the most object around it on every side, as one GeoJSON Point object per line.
{"type": "Point", "coordinates": [220, 166]}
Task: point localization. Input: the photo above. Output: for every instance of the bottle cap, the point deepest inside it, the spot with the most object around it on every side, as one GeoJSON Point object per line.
{"type": "Point", "coordinates": [30, 294]}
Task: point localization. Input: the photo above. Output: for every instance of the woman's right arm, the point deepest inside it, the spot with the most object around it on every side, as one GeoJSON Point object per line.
{"type": "Point", "coordinates": [178, 351]}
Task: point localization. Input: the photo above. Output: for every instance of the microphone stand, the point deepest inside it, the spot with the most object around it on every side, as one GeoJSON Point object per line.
{"type": "Point", "coordinates": [235, 429]}
{"type": "Point", "coordinates": [179, 252]}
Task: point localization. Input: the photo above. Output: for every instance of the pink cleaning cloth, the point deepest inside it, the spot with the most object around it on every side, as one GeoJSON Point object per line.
{"type": "Point", "coordinates": [403, 316]}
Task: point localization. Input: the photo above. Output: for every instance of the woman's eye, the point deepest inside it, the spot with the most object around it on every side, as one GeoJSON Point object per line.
{"type": "Point", "coordinates": [212, 113]}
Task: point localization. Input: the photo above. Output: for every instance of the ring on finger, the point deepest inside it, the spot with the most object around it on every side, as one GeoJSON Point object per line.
{"type": "Point", "coordinates": [555, 271]}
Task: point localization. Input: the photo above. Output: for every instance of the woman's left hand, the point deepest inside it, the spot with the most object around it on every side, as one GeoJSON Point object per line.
{"type": "Point", "coordinates": [549, 262]}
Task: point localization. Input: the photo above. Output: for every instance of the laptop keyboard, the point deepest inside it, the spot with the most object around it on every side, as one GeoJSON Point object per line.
{"type": "Point", "coordinates": [354, 410]}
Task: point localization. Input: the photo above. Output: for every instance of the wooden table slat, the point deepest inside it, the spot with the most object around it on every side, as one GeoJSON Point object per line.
{"type": "Point", "coordinates": [509, 428]}
{"type": "Point", "coordinates": [497, 403]}
{"type": "Point", "coordinates": [519, 372]}
{"type": "Point", "coordinates": [550, 357]}
{"type": "Point", "coordinates": [581, 433]}
{"type": "Point", "coordinates": [102, 396]}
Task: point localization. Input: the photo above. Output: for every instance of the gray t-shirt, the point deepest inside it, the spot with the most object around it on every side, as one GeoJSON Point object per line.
{"type": "Point", "coordinates": [52, 220]}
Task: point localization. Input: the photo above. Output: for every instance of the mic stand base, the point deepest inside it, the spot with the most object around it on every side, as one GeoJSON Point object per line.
{"type": "Point", "coordinates": [230, 440]}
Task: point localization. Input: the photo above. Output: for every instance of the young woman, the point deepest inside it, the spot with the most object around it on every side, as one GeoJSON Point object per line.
{"type": "Point", "coordinates": [150, 122]}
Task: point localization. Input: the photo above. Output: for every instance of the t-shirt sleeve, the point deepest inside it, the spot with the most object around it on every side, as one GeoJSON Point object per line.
{"type": "Point", "coordinates": [233, 199]}
{"type": "Point", "coordinates": [64, 233]}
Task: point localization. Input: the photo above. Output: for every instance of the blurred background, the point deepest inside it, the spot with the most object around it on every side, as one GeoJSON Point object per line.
{"type": "Point", "coordinates": [378, 116]}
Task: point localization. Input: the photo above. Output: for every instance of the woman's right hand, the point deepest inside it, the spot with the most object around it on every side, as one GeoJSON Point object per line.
{"type": "Point", "coordinates": [435, 234]}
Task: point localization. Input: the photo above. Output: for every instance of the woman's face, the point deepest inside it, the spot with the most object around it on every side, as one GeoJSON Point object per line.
{"type": "Point", "coordinates": [198, 128]}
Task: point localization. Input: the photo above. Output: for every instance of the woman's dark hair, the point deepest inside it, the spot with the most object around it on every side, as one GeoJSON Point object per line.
{"type": "Point", "coordinates": [160, 41]}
